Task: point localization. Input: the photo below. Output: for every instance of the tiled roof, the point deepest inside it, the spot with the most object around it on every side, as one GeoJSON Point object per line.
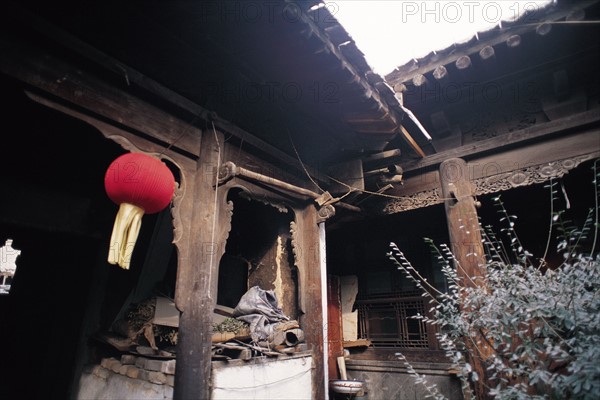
{"type": "Point", "coordinates": [509, 32]}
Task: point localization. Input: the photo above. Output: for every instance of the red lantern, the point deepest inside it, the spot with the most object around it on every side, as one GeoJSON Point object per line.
{"type": "Point", "coordinates": [140, 184]}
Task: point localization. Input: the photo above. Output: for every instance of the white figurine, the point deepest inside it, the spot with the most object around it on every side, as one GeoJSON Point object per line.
{"type": "Point", "coordinates": [8, 258]}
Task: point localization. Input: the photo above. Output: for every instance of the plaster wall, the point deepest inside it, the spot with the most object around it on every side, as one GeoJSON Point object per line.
{"type": "Point", "coordinates": [387, 380]}
{"type": "Point", "coordinates": [349, 291]}
{"type": "Point", "coordinates": [263, 379]}
{"type": "Point", "coordinates": [258, 378]}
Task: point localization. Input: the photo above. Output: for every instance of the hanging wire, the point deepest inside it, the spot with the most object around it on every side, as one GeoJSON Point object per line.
{"type": "Point", "coordinates": [191, 124]}
{"type": "Point", "coordinates": [389, 196]}
{"type": "Point", "coordinates": [301, 163]}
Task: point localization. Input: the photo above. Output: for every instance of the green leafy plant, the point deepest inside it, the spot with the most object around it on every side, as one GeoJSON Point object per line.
{"type": "Point", "coordinates": [542, 324]}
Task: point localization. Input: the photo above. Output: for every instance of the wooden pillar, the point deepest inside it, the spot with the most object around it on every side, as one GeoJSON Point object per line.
{"type": "Point", "coordinates": [463, 224]}
{"type": "Point", "coordinates": [307, 252]}
{"type": "Point", "coordinates": [466, 245]}
{"type": "Point", "coordinates": [202, 221]}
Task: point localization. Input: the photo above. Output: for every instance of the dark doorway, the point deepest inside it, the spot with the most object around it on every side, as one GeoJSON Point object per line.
{"type": "Point", "coordinates": [54, 208]}
{"type": "Point", "coordinates": [258, 253]}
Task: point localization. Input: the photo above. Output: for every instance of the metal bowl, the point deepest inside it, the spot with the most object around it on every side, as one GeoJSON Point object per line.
{"type": "Point", "coordinates": [346, 386]}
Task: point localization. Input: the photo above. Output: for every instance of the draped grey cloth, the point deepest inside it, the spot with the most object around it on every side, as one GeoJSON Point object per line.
{"type": "Point", "coordinates": [259, 308]}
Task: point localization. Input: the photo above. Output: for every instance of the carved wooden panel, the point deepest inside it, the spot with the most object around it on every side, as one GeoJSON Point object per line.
{"type": "Point", "coordinates": [492, 184]}
{"type": "Point", "coordinates": [417, 200]}
{"type": "Point", "coordinates": [528, 176]}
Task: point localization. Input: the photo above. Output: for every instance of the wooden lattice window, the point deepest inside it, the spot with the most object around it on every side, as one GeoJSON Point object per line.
{"type": "Point", "coordinates": [388, 322]}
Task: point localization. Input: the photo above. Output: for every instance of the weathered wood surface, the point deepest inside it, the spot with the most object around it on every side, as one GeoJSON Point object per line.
{"type": "Point", "coordinates": [463, 224]}
{"type": "Point", "coordinates": [503, 142]}
{"type": "Point", "coordinates": [270, 150]}
{"type": "Point", "coordinates": [306, 247]}
{"type": "Point", "coordinates": [467, 247]}
{"type": "Point", "coordinates": [128, 140]}
{"type": "Point", "coordinates": [407, 136]}
{"type": "Point", "coordinates": [492, 173]}
{"type": "Point", "coordinates": [245, 156]}
{"type": "Point", "coordinates": [204, 225]}
{"type": "Point", "coordinates": [559, 148]}
{"type": "Point", "coordinates": [134, 78]}
{"type": "Point", "coordinates": [49, 73]}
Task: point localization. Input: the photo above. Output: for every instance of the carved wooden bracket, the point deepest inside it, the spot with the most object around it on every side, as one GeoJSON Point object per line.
{"type": "Point", "coordinates": [325, 212]}
{"type": "Point", "coordinates": [227, 171]}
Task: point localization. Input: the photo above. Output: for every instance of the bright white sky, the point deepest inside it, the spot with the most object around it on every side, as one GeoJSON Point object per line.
{"type": "Point", "coordinates": [392, 32]}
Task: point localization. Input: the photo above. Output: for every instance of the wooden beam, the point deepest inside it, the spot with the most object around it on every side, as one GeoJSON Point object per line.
{"type": "Point", "coordinates": [484, 166]}
{"type": "Point", "coordinates": [543, 29]}
{"type": "Point", "coordinates": [133, 77]}
{"type": "Point", "coordinates": [538, 154]}
{"type": "Point", "coordinates": [492, 173]}
{"type": "Point", "coordinates": [440, 73]}
{"type": "Point", "coordinates": [513, 41]}
{"type": "Point", "coordinates": [384, 157]}
{"type": "Point", "coordinates": [230, 170]}
{"type": "Point", "coordinates": [411, 141]}
{"type": "Point", "coordinates": [487, 53]}
{"type": "Point", "coordinates": [128, 140]}
{"type": "Point", "coordinates": [463, 62]}
{"type": "Point", "coordinates": [270, 150]}
{"type": "Point", "coordinates": [42, 70]}
{"type": "Point", "coordinates": [502, 142]}
{"type": "Point", "coordinates": [419, 80]}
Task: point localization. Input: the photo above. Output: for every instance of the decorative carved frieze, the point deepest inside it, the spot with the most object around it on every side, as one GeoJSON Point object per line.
{"type": "Point", "coordinates": [491, 123]}
{"type": "Point", "coordinates": [523, 121]}
{"type": "Point", "coordinates": [413, 201]}
{"type": "Point", "coordinates": [492, 184]}
{"type": "Point", "coordinates": [527, 176]}
{"type": "Point", "coordinates": [481, 126]}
